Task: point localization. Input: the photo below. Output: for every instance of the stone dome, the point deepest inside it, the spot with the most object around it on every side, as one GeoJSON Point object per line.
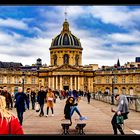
{"type": "Point", "coordinates": [65, 39]}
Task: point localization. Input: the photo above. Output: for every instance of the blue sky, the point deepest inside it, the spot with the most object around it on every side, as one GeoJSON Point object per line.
{"type": "Point", "coordinates": [106, 32]}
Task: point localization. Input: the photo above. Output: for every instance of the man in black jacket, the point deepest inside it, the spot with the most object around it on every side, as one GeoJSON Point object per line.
{"type": "Point", "coordinates": [21, 99]}
{"type": "Point", "coordinates": [41, 97]}
{"type": "Point", "coordinates": [33, 98]}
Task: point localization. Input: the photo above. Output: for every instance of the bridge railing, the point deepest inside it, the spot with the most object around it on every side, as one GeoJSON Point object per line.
{"type": "Point", "coordinates": [134, 101]}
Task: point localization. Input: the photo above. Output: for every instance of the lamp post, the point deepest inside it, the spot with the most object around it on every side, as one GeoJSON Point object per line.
{"type": "Point", "coordinates": [112, 96]}
{"type": "Point", "coordinates": [23, 78]}
{"type": "Point", "coordinates": [94, 89]}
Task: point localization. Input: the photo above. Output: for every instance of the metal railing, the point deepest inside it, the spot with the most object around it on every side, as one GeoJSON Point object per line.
{"type": "Point", "coordinates": [134, 101]}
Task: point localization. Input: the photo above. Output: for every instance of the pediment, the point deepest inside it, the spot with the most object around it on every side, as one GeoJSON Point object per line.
{"type": "Point", "coordinates": [66, 68]}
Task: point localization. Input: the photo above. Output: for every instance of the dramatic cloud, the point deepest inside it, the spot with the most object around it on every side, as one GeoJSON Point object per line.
{"type": "Point", "coordinates": [29, 37]}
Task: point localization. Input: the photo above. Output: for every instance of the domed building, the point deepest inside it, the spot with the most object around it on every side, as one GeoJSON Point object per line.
{"type": "Point", "coordinates": [66, 48]}
{"type": "Point", "coordinates": [66, 71]}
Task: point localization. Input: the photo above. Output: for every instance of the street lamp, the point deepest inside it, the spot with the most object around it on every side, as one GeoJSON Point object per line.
{"type": "Point", "coordinates": [112, 96]}
{"type": "Point", "coordinates": [23, 79]}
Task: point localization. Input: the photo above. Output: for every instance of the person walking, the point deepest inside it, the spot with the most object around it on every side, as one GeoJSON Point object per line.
{"type": "Point", "coordinates": [9, 124]}
{"type": "Point", "coordinates": [112, 99]}
{"type": "Point", "coordinates": [88, 96]}
{"type": "Point", "coordinates": [122, 110]}
{"type": "Point", "coordinates": [28, 95]}
{"type": "Point", "coordinates": [8, 98]}
{"type": "Point", "coordinates": [41, 100]}
{"type": "Point", "coordinates": [50, 101]}
{"type": "Point", "coordinates": [33, 98]}
{"type": "Point", "coordinates": [21, 101]}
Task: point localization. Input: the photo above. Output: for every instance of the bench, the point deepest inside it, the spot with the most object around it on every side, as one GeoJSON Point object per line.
{"type": "Point", "coordinates": [65, 123]}
{"type": "Point", "coordinates": [80, 124]}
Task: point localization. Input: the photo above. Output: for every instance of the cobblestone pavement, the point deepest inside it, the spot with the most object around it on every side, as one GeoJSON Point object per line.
{"type": "Point", "coordinates": [98, 113]}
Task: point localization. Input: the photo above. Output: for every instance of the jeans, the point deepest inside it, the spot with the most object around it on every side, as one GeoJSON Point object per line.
{"type": "Point", "coordinates": [41, 109]}
{"type": "Point", "coordinates": [74, 108]}
{"type": "Point", "coordinates": [20, 116]}
{"type": "Point", "coordinates": [33, 104]}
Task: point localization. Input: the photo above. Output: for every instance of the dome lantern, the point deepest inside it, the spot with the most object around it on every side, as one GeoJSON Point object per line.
{"type": "Point", "coordinates": [65, 26]}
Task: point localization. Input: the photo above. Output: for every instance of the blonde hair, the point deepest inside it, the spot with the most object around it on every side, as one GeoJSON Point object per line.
{"type": "Point", "coordinates": [4, 113]}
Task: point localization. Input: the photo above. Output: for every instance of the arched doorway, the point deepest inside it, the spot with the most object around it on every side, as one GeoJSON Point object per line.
{"type": "Point", "coordinates": [107, 90]}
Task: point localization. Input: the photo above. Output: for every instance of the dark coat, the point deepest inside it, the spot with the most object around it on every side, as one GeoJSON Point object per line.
{"type": "Point", "coordinates": [7, 96]}
{"type": "Point", "coordinates": [41, 97]}
{"type": "Point", "coordinates": [21, 100]}
{"type": "Point", "coordinates": [33, 95]}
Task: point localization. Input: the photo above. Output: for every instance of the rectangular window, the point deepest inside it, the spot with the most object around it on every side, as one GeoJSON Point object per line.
{"type": "Point", "coordinates": [8, 80]}
{"type": "Point", "coordinates": [123, 79]}
{"type": "Point", "coordinates": [1, 79]}
{"type": "Point", "coordinates": [16, 80]}
{"type": "Point", "coordinates": [98, 80]}
{"type": "Point", "coordinates": [33, 80]}
{"type": "Point", "coordinates": [137, 79]}
{"type": "Point", "coordinates": [115, 79]}
{"type": "Point", "coordinates": [107, 79]}
{"type": "Point", "coordinates": [130, 79]}
{"type": "Point", "coordinates": [25, 80]}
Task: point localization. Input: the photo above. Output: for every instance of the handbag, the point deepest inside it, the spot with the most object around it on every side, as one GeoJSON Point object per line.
{"type": "Point", "coordinates": [37, 107]}
{"type": "Point", "coordinates": [50, 99]}
{"type": "Point", "coordinates": [120, 119]}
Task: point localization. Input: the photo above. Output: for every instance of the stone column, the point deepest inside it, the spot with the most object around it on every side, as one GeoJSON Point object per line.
{"type": "Point", "coordinates": [75, 83]}
{"type": "Point", "coordinates": [52, 83]}
{"type": "Point", "coordinates": [49, 82]}
{"type": "Point", "coordinates": [79, 83]}
{"type": "Point", "coordinates": [61, 87]}
{"type": "Point", "coordinates": [56, 82]}
{"type": "Point", "coordinates": [88, 84]}
{"type": "Point", "coordinates": [71, 83]}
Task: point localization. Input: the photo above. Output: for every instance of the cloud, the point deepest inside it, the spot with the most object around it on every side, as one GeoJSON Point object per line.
{"type": "Point", "coordinates": [17, 24]}
{"type": "Point", "coordinates": [25, 48]}
{"type": "Point", "coordinates": [130, 37]}
{"type": "Point", "coordinates": [118, 15]}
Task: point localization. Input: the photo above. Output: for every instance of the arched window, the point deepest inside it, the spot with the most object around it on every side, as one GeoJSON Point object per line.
{"type": "Point", "coordinates": [123, 90]}
{"type": "Point", "coordinates": [55, 59]}
{"type": "Point", "coordinates": [116, 90]}
{"type": "Point", "coordinates": [76, 60]}
{"type": "Point", "coordinates": [66, 59]}
{"type": "Point", "coordinates": [131, 91]}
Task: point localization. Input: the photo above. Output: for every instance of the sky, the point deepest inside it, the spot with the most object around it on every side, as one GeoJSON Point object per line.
{"type": "Point", "coordinates": [106, 33]}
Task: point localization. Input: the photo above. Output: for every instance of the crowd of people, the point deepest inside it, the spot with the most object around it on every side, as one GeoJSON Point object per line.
{"type": "Point", "coordinates": [22, 101]}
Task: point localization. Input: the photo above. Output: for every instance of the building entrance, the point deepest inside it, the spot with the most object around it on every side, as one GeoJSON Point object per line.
{"type": "Point", "coordinates": [66, 87]}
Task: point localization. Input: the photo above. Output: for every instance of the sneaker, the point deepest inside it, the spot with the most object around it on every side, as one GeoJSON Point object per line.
{"type": "Point", "coordinates": [52, 114]}
{"type": "Point", "coordinates": [83, 118]}
{"type": "Point", "coordinates": [46, 115]}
